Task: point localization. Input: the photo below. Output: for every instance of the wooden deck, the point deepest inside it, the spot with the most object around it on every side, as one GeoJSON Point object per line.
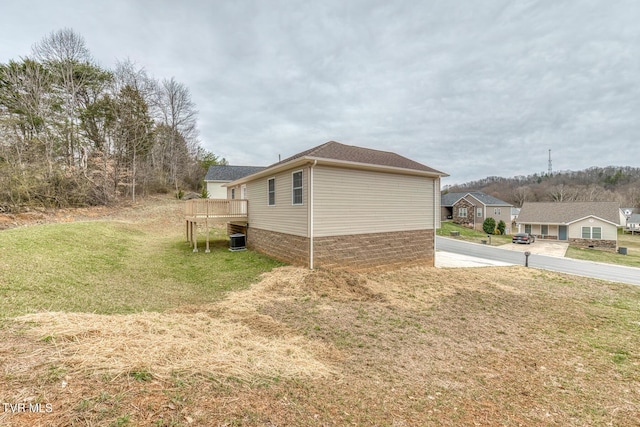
{"type": "Point", "coordinates": [205, 213]}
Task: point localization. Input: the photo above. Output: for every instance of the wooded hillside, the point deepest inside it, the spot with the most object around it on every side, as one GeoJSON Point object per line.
{"type": "Point", "coordinates": [596, 184]}
{"type": "Point", "coordinates": [75, 134]}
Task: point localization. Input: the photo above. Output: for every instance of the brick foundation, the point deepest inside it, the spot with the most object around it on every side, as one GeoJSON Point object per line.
{"type": "Point", "coordinates": [375, 250]}
{"type": "Point", "coordinates": [605, 245]}
{"type": "Point", "coordinates": [284, 247]}
{"type": "Point", "coordinates": [354, 252]}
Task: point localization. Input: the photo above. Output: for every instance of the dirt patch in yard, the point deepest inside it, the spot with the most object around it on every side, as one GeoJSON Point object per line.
{"type": "Point", "coordinates": [422, 346]}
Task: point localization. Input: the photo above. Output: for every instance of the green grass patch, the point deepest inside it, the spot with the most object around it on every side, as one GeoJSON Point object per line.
{"type": "Point", "coordinates": [629, 241]}
{"type": "Point", "coordinates": [464, 233]}
{"type": "Point", "coordinates": [632, 259]}
{"type": "Point", "coordinates": [114, 267]}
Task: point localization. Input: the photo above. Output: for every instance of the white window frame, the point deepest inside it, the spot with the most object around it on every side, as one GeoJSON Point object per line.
{"type": "Point", "coordinates": [294, 188]}
{"type": "Point", "coordinates": [461, 210]}
{"type": "Point", "coordinates": [589, 231]}
{"type": "Point", "coordinates": [497, 211]}
{"type": "Point", "coordinates": [270, 192]}
{"type": "Point", "coordinates": [479, 212]}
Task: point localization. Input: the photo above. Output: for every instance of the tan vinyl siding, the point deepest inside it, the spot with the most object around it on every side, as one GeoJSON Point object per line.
{"type": "Point", "coordinates": [215, 190]}
{"type": "Point", "coordinates": [350, 201]}
{"type": "Point", "coordinates": [609, 231]}
{"type": "Point", "coordinates": [437, 202]}
{"type": "Point", "coordinates": [284, 217]}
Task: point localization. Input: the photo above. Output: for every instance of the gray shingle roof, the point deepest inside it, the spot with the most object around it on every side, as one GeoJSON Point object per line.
{"type": "Point", "coordinates": [450, 199]}
{"type": "Point", "coordinates": [336, 151]}
{"type": "Point", "coordinates": [565, 213]}
{"type": "Point", "coordinates": [230, 173]}
{"type": "Point", "coordinates": [635, 219]}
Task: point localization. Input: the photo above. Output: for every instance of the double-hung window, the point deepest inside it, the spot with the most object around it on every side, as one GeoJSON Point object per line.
{"type": "Point", "coordinates": [271, 191]}
{"type": "Point", "coordinates": [296, 189]}
{"type": "Point", "coordinates": [462, 212]}
{"type": "Point", "coordinates": [594, 233]}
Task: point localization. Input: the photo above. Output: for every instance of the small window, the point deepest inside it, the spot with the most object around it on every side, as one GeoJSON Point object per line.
{"type": "Point", "coordinates": [496, 211]}
{"type": "Point", "coordinates": [271, 185]}
{"type": "Point", "coordinates": [479, 212]}
{"type": "Point", "coordinates": [462, 212]}
{"type": "Point", "coordinates": [233, 193]}
{"type": "Point", "coordinates": [596, 233]}
{"type": "Point", "coordinates": [296, 194]}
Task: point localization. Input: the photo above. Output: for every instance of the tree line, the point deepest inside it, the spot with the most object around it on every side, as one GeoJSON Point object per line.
{"type": "Point", "coordinates": [75, 134]}
{"type": "Point", "coordinates": [596, 184]}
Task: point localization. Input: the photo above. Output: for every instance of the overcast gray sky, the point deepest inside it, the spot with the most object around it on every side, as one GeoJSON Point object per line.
{"type": "Point", "coordinates": [472, 88]}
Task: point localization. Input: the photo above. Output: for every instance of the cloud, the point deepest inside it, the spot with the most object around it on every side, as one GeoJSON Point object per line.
{"type": "Point", "coordinates": [473, 89]}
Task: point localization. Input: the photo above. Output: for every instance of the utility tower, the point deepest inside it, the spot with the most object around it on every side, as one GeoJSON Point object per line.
{"type": "Point", "coordinates": [550, 172]}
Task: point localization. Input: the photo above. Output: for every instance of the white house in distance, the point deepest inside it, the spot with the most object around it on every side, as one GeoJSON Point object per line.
{"type": "Point", "coordinates": [219, 175]}
{"type": "Point", "coordinates": [584, 224]}
{"type": "Point", "coordinates": [338, 205]}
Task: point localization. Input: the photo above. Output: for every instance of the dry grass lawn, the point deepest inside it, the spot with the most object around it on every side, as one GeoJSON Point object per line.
{"type": "Point", "coordinates": [504, 346]}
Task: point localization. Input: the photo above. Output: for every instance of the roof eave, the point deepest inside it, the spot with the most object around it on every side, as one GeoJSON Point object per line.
{"type": "Point", "coordinates": [592, 216]}
{"type": "Point", "coordinates": [301, 161]}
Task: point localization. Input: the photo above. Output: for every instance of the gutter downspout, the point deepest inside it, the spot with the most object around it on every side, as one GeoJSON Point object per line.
{"type": "Point", "coordinates": [311, 214]}
{"type": "Point", "coordinates": [435, 230]}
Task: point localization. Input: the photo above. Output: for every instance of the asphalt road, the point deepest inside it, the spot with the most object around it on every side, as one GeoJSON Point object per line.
{"type": "Point", "coordinates": [614, 273]}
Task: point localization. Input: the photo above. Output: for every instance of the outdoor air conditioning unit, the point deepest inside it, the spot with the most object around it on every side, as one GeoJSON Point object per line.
{"type": "Point", "coordinates": [237, 242]}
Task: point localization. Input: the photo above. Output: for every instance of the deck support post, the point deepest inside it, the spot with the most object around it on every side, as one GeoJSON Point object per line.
{"type": "Point", "coordinates": [194, 236]}
{"type": "Point", "coordinates": [206, 224]}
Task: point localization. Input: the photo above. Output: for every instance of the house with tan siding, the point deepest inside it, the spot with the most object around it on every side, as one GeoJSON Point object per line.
{"type": "Point", "coordinates": [338, 205]}
{"type": "Point", "coordinates": [472, 208]}
{"type": "Point", "coordinates": [584, 224]}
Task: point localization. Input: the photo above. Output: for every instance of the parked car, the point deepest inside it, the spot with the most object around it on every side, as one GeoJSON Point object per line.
{"type": "Point", "coordinates": [523, 238]}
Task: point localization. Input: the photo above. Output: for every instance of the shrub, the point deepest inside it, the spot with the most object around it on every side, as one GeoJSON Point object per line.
{"type": "Point", "coordinates": [501, 227]}
{"type": "Point", "coordinates": [489, 225]}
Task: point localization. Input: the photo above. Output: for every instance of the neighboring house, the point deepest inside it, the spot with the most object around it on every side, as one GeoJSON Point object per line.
{"type": "Point", "coordinates": [633, 223]}
{"type": "Point", "coordinates": [514, 214]}
{"type": "Point", "coordinates": [337, 205]}
{"type": "Point", "coordinates": [219, 175]}
{"type": "Point", "coordinates": [472, 208]}
{"type": "Point", "coordinates": [584, 224]}
{"type": "Point", "coordinates": [625, 215]}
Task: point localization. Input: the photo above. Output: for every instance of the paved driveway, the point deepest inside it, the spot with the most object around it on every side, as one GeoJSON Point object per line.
{"type": "Point", "coordinates": [540, 247]}
{"type": "Point", "coordinates": [513, 255]}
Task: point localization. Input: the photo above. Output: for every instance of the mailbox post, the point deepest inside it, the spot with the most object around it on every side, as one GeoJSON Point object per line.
{"type": "Point", "coordinates": [526, 258]}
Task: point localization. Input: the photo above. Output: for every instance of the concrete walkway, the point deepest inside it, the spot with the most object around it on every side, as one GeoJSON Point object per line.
{"type": "Point", "coordinates": [451, 260]}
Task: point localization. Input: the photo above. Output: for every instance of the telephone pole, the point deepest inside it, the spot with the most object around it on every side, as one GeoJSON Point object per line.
{"type": "Point", "coordinates": [550, 172]}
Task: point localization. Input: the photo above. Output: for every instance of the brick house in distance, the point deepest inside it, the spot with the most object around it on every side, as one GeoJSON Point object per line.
{"type": "Point", "coordinates": [337, 205]}
{"type": "Point", "coordinates": [472, 208]}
